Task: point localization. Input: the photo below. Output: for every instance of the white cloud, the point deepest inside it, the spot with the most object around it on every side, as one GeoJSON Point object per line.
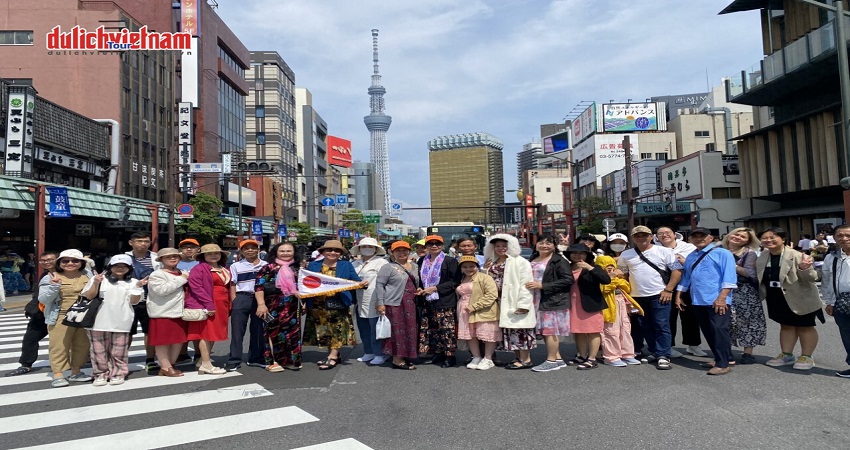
{"type": "Point", "coordinates": [455, 66]}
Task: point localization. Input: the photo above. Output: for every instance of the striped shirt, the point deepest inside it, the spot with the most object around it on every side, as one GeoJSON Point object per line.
{"type": "Point", "coordinates": [244, 274]}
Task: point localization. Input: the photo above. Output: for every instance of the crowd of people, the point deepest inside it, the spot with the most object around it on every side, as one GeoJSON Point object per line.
{"type": "Point", "coordinates": [621, 300]}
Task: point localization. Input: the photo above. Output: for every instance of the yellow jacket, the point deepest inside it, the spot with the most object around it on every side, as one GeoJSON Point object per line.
{"type": "Point", "coordinates": [483, 299]}
{"type": "Point", "coordinates": [609, 291]}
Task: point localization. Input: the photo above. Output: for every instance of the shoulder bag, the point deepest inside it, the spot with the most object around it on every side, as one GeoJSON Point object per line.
{"type": "Point", "coordinates": [82, 313]}
{"type": "Point", "coordinates": [842, 299]}
{"type": "Point", "coordinates": [665, 274]}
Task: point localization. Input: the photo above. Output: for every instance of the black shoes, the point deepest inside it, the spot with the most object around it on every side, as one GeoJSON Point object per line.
{"type": "Point", "coordinates": [230, 367]}
{"type": "Point", "coordinates": [19, 371]}
{"type": "Point", "coordinates": [451, 361]}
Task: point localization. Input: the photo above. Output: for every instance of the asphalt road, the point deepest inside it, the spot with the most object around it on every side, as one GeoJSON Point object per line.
{"type": "Point", "coordinates": [357, 406]}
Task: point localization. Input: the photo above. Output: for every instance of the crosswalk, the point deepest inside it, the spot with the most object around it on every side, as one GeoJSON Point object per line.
{"type": "Point", "coordinates": [145, 412]}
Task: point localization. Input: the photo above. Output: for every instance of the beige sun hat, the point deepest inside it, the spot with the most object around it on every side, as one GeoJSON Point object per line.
{"type": "Point", "coordinates": [211, 248]}
{"type": "Point", "coordinates": [379, 251]}
{"type": "Point", "coordinates": [167, 251]}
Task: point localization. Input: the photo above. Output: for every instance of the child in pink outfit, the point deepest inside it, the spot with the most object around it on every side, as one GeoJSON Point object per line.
{"type": "Point", "coordinates": [617, 346]}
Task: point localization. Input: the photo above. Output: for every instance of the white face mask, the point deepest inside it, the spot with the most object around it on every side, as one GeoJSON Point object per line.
{"type": "Point", "coordinates": [617, 247]}
{"type": "Point", "coordinates": [367, 251]}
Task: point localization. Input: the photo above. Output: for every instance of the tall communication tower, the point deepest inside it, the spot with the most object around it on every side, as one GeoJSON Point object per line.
{"type": "Point", "coordinates": [378, 123]}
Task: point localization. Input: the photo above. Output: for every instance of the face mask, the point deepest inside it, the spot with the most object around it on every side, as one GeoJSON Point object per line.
{"type": "Point", "coordinates": [618, 247]}
{"type": "Point", "coordinates": [365, 251]}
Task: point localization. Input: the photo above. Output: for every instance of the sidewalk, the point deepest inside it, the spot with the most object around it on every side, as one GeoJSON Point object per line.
{"type": "Point", "coordinates": [17, 301]}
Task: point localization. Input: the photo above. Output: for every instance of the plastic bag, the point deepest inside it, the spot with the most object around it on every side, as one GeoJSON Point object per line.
{"type": "Point", "coordinates": [383, 330]}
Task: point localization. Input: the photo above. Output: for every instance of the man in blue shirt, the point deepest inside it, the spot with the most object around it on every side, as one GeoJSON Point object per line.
{"type": "Point", "coordinates": [709, 275]}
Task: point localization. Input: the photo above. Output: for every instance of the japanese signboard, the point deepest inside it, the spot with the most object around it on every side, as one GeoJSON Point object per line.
{"type": "Point", "coordinates": [339, 151]}
{"type": "Point", "coordinates": [684, 176]}
{"type": "Point", "coordinates": [608, 155]}
{"type": "Point", "coordinates": [59, 204]}
{"type": "Point", "coordinates": [585, 124]}
{"type": "Point", "coordinates": [184, 142]}
{"type": "Point", "coordinates": [190, 16]}
{"type": "Point", "coordinates": [628, 117]}
{"type": "Point", "coordinates": [19, 130]}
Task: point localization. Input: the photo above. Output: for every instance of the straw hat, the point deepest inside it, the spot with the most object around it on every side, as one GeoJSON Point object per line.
{"type": "Point", "coordinates": [211, 248]}
{"type": "Point", "coordinates": [333, 243]}
{"type": "Point", "coordinates": [167, 251]}
{"type": "Point", "coordinates": [379, 251]}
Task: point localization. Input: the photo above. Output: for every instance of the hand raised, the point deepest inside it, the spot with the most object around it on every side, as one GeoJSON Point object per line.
{"type": "Point", "coordinates": [142, 282]}
{"type": "Point", "coordinates": [98, 277]}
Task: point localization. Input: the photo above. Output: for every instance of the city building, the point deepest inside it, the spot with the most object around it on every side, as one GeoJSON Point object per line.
{"type": "Point", "coordinates": [377, 122]}
{"type": "Point", "coordinates": [792, 162]}
{"type": "Point", "coordinates": [365, 186]}
{"type": "Point", "coordinates": [312, 133]}
{"type": "Point", "coordinates": [466, 177]}
{"type": "Point", "coordinates": [680, 104]}
{"type": "Point", "coordinates": [528, 159]}
{"type": "Point", "coordinates": [271, 134]}
{"type": "Point", "coordinates": [134, 90]}
{"type": "Point", "coordinates": [710, 126]}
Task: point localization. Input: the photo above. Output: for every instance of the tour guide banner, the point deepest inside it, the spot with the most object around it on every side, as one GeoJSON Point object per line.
{"type": "Point", "coordinates": [312, 284]}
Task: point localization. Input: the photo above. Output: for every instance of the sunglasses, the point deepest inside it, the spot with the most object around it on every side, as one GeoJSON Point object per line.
{"type": "Point", "coordinates": [70, 261]}
{"type": "Point", "coordinates": [332, 250]}
{"type": "Point", "coordinates": [434, 244]}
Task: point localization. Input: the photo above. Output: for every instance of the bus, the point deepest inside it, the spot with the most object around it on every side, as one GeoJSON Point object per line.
{"type": "Point", "coordinates": [452, 231]}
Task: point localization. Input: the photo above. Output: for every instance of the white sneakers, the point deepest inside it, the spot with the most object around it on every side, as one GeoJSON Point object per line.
{"type": "Point", "coordinates": [479, 363]}
{"type": "Point", "coordinates": [696, 350]}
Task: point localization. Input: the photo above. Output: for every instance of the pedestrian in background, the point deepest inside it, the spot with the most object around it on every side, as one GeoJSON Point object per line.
{"type": "Point", "coordinates": [367, 267]}
{"type": "Point", "coordinates": [586, 305]}
{"type": "Point", "coordinates": [551, 287]}
{"type": "Point", "coordinates": [517, 308]}
{"type": "Point", "coordinates": [168, 331]}
{"type": "Point", "coordinates": [439, 276]}
{"type": "Point", "coordinates": [749, 327]}
{"type": "Point", "coordinates": [329, 321]}
{"type": "Point", "coordinates": [709, 274]}
{"type": "Point", "coordinates": [395, 296]}
{"type": "Point", "coordinates": [209, 289]}
{"type": "Point", "coordinates": [110, 335]}
{"type": "Point", "coordinates": [787, 284]}
{"type": "Point", "coordinates": [836, 288]}
{"type": "Point", "coordinates": [58, 291]}
{"type": "Point", "coordinates": [276, 287]}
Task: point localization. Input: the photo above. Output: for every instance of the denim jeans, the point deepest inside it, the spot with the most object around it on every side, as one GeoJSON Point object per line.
{"type": "Point", "coordinates": [366, 330]}
{"type": "Point", "coordinates": [654, 326]}
{"type": "Point", "coordinates": [716, 329]}
{"type": "Point", "coordinates": [843, 322]}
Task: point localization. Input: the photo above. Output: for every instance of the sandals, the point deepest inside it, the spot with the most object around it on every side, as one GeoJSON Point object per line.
{"type": "Point", "coordinates": [588, 364]}
{"type": "Point", "coordinates": [404, 366]}
{"type": "Point", "coordinates": [274, 368]}
{"type": "Point", "coordinates": [578, 360]}
{"type": "Point", "coordinates": [518, 365]}
{"type": "Point", "coordinates": [329, 363]}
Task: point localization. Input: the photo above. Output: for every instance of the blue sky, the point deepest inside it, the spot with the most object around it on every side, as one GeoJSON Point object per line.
{"type": "Point", "coordinates": [501, 67]}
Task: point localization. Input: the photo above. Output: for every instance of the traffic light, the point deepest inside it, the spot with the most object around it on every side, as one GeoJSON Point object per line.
{"type": "Point", "coordinates": [255, 166]}
{"type": "Point", "coordinates": [125, 213]}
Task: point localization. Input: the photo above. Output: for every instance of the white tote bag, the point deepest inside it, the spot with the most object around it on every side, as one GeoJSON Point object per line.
{"type": "Point", "coordinates": [383, 330]}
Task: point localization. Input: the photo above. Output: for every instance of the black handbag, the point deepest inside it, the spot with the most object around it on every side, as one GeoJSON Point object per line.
{"type": "Point", "coordinates": [82, 313]}
{"type": "Point", "coordinates": [335, 303]}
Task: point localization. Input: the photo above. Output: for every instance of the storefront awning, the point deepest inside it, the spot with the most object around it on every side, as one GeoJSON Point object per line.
{"type": "Point", "coordinates": [807, 211]}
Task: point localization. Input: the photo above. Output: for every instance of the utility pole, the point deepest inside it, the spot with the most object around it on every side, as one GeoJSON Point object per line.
{"type": "Point", "coordinates": [627, 147]}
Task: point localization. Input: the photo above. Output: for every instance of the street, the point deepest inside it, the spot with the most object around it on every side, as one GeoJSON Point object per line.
{"type": "Point", "coordinates": [358, 406]}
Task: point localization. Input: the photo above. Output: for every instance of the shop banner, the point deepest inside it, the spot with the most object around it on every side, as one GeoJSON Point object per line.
{"type": "Point", "coordinates": [60, 206]}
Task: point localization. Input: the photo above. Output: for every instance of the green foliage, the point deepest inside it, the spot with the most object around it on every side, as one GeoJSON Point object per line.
{"type": "Point", "coordinates": [353, 220]}
{"type": "Point", "coordinates": [592, 210]}
{"type": "Point", "coordinates": [305, 232]}
{"type": "Point", "coordinates": [208, 224]}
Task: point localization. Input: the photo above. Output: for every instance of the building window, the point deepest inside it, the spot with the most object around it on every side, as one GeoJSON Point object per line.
{"type": "Point", "coordinates": [645, 156]}
{"type": "Point", "coordinates": [258, 84]}
{"type": "Point", "coordinates": [726, 192]}
{"type": "Point", "coordinates": [548, 189]}
{"type": "Point", "coordinates": [701, 134]}
{"type": "Point", "coordinates": [260, 111]}
{"type": "Point", "coordinates": [661, 156]}
{"type": "Point", "coordinates": [15, 37]}
{"type": "Point", "coordinates": [261, 138]}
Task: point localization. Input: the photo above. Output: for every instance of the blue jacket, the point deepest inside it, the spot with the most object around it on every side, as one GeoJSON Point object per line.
{"type": "Point", "coordinates": [345, 270]}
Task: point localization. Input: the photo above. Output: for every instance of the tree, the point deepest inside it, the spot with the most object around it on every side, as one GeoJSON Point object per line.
{"type": "Point", "coordinates": [592, 209]}
{"type": "Point", "coordinates": [305, 232]}
{"type": "Point", "coordinates": [353, 220]}
{"type": "Point", "coordinates": [208, 224]}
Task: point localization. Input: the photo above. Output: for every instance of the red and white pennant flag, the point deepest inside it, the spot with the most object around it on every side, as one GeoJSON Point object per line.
{"type": "Point", "coordinates": [313, 284]}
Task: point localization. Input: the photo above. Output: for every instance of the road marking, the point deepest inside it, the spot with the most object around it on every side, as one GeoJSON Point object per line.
{"type": "Point", "coordinates": [81, 390]}
{"type": "Point", "coordinates": [18, 345]}
{"type": "Point", "coordinates": [46, 363]}
{"type": "Point", "coordinates": [11, 320]}
{"type": "Point", "coordinates": [343, 444]}
{"type": "Point", "coordinates": [44, 350]}
{"type": "Point", "coordinates": [47, 376]}
{"type": "Point", "coordinates": [12, 333]}
{"type": "Point", "coordinates": [14, 326]}
{"type": "Point", "coordinates": [18, 338]}
{"type": "Point", "coordinates": [128, 408]}
{"type": "Point", "coordinates": [188, 432]}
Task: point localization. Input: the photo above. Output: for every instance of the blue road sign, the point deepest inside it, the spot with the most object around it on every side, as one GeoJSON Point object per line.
{"type": "Point", "coordinates": [341, 199]}
{"type": "Point", "coordinates": [327, 201]}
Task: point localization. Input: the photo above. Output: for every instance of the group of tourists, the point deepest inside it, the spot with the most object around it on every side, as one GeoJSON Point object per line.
{"type": "Point", "coordinates": [620, 301]}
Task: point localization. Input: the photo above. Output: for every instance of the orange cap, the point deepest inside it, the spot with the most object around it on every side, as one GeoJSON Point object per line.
{"type": "Point", "coordinates": [189, 241]}
{"type": "Point", "coordinates": [248, 241]}
{"type": "Point", "coordinates": [399, 244]}
{"type": "Point", "coordinates": [434, 237]}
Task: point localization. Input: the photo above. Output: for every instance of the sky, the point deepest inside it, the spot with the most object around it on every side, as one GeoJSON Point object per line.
{"type": "Point", "coordinates": [500, 67]}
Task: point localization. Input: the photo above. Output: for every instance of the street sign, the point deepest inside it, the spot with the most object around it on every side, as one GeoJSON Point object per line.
{"type": "Point", "coordinates": [281, 230]}
{"type": "Point", "coordinates": [356, 235]}
{"type": "Point", "coordinates": [185, 211]}
{"type": "Point", "coordinates": [396, 209]}
{"type": "Point", "coordinates": [327, 203]}
{"type": "Point", "coordinates": [341, 199]}
{"type": "Point", "coordinates": [293, 234]}
{"type": "Point", "coordinates": [609, 223]}
{"type": "Point", "coordinates": [341, 207]}
{"type": "Point", "coordinates": [205, 167]}
{"type": "Point", "coordinates": [226, 163]}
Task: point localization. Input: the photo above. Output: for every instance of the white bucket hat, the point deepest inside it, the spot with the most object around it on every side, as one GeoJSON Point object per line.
{"type": "Point", "coordinates": [74, 254]}
{"type": "Point", "coordinates": [379, 251]}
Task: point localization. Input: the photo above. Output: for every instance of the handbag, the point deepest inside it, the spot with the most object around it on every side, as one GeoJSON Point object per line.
{"type": "Point", "coordinates": [842, 299]}
{"type": "Point", "coordinates": [335, 303]}
{"type": "Point", "coordinates": [383, 329]}
{"type": "Point", "coordinates": [195, 315]}
{"type": "Point", "coordinates": [82, 313]}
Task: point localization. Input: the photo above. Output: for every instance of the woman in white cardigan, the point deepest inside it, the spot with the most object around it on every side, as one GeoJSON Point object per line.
{"type": "Point", "coordinates": [517, 311]}
{"type": "Point", "coordinates": [372, 258]}
{"type": "Point", "coordinates": [168, 332]}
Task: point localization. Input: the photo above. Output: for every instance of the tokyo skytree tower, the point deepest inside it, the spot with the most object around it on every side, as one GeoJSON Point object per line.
{"type": "Point", "coordinates": [378, 123]}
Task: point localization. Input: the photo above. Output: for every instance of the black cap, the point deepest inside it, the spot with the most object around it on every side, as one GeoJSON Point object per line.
{"type": "Point", "coordinates": [702, 230]}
